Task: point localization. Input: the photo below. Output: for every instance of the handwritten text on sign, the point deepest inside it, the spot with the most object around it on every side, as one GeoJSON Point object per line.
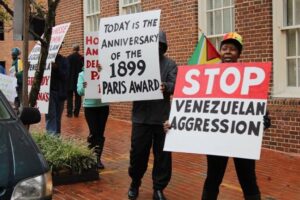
{"type": "Point", "coordinates": [218, 109]}
{"type": "Point", "coordinates": [129, 57]}
{"type": "Point", "coordinates": [57, 37]}
{"type": "Point", "coordinates": [8, 86]}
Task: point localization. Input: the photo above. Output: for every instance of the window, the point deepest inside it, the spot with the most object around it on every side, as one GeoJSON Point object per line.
{"type": "Point", "coordinates": [130, 6]}
{"type": "Point", "coordinates": [1, 30]}
{"type": "Point", "coordinates": [4, 114]}
{"type": "Point", "coordinates": [216, 17]}
{"type": "Point", "coordinates": [286, 34]}
{"type": "Point", "coordinates": [91, 15]}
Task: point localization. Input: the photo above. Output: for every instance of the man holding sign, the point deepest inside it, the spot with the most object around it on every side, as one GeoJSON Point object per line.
{"type": "Point", "coordinates": [58, 94]}
{"type": "Point", "coordinates": [220, 111]}
{"type": "Point", "coordinates": [147, 129]}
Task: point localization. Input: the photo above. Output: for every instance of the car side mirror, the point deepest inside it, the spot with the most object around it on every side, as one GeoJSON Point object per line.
{"type": "Point", "coordinates": [30, 115]}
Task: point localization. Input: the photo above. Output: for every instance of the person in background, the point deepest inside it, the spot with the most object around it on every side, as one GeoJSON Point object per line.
{"type": "Point", "coordinates": [58, 94]}
{"type": "Point", "coordinates": [147, 131]}
{"type": "Point", "coordinates": [16, 70]}
{"type": "Point", "coordinates": [96, 114]}
{"type": "Point", "coordinates": [76, 64]}
{"type": "Point", "coordinates": [2, 70]}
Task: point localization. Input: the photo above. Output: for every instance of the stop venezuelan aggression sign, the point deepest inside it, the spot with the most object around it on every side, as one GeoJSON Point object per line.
{"type": "Point", "coordinates": [218, 109]}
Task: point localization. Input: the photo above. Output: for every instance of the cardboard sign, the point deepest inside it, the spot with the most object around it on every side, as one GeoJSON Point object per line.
{"type": "Point", "coordinates": [8, 86]}
{"type": "Point", "coordinates": [218, 109]}
{"type": "Point", "coordinates": [57, 37]}
{"type": "Point", "coordinates": [91, 61]}
{"type": "Point", "coordinates": [129, 57]}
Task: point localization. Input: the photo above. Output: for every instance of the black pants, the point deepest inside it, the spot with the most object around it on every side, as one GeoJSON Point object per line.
{"type": "Point", "coordinates": [18, 99]}
{"type": "Point", "coordinates": [216, 166]}
{"type": "Point", "coordinates": [96, 118]}
{"type": "Point", "coordinates": [142, 138]}
{"type": "Point", "coordinates": [70, 103]}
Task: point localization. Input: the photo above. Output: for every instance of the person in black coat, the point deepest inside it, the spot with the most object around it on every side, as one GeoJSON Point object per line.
{"type": "Point", "coordinates": [147, 131]}
{"type": "Point", "coordinates": [76, 64]}
{"type": "Point", "coordinates": [58, 94]}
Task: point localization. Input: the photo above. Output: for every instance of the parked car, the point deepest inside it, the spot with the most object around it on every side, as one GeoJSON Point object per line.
{"type": "Point", "coordinates": [24, 172]}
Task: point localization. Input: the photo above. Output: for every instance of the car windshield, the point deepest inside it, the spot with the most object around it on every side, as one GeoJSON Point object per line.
{"type": "Point", "coordinates": [4, 113]}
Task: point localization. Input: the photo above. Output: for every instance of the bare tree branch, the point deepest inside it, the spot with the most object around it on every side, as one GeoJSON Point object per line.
{"type": "Point", "coordinates": [36, 36]}
{"type": "Point", "coordinates": [7, 8]}
{"type": "Point", "coordinates": [40, 10]}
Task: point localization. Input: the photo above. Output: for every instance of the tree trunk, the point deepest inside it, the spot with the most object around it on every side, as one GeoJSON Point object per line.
{"type": "Point", "coordinates": [49, 23]}
{"type": "Point", "coordinates": [25, 53]}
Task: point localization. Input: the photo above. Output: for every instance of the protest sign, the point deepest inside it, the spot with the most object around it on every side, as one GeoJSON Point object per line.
{"type": "Point", "coordinates": [8, 86]}
{"type": "Point", "coordinates": [34, 55]}
{"type": "Point", "coordinates": [57, 37]}
{"type": "Point", "coordinates": [91, 61]}
{"type": "Point", "coordinates": [218, 109]}
{"type": "Point", "coordinates": [12, 71]}
{"type": "Point", "coordinates": [128, 48]}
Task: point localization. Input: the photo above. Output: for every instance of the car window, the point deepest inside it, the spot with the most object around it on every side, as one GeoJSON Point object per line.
{"type": "Point", "coordinates": [4, 114]}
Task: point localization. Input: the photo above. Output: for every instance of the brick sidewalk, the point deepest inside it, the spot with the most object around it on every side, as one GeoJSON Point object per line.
{"type": "Point", "coordinates": [278, 173]}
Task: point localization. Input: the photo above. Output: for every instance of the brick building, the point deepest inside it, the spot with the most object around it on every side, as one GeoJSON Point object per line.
{"type": "Point", "coordinates": [271, 33]}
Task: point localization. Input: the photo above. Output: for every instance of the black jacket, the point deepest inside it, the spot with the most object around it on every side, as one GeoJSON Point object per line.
{"type": "Point", "coordinates": [59, 76]}
{"type": "Point", "coordinates": [76, 64]}
{"type": "Point", "coordinates": [157, 111]}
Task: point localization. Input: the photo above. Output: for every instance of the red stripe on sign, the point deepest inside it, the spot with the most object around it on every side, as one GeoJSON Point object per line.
{"type": "Point", "coordinates": [224, 80]}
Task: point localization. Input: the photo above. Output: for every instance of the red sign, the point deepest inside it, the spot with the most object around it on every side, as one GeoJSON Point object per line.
{"type": "Point", "coordinates": [224, 80]}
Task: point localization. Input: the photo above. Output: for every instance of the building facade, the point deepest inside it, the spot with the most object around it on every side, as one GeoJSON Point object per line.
{"type": "Point", "coordinates": [271, 33]}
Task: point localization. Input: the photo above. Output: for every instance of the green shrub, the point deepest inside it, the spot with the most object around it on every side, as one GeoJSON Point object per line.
{"type": "Point", "coordinates": [64, 154]}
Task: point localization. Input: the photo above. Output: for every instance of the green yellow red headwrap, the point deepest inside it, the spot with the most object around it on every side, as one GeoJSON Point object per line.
{"type": "Point", "coordinates": [235, 38]}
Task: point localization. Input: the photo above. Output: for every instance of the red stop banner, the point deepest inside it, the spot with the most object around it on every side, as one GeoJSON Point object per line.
{"type": "Point", "coordinates": [224, 80]}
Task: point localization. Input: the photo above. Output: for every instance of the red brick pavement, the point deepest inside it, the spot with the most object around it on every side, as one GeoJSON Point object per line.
{"type": "Point", "coordinates": [278, 173]}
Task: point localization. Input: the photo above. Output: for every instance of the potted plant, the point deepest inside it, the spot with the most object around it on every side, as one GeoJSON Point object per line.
{"type": "Point", "coordinates": [70, 159]}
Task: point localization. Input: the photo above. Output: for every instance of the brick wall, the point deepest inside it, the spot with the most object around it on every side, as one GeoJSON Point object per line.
{"type": "Point", "coordinates": [109, 8]}
{"type": "Point", "coordinates": [253, 20]}
{"type": "Point", "coordinates": [284, 135]}
{"type": "Point", "coordinates": [71, 11]}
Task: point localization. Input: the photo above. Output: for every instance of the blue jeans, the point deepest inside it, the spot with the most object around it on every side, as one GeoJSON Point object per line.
{"type": "Point", "coordinates": [53, 118]}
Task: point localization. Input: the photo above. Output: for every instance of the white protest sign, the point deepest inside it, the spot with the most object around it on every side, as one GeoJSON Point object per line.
{"type": "Point", "coordinates": [57, 37]}
{"type": "Point", "coordinates": [8, 86]}
{"type": "Point", "coordinates": [12, 71]}
{"type": "Point", "coordinates": [91, 61]}
{"type": "Point", "coordinates": [34, 55]}
{"type": "Point", "coordinates": [218, 109]}
{"type": "Point", "coordinates": [128, 48]}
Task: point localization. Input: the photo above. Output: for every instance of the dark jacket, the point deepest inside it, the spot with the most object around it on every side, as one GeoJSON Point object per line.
{"type": "Point", "coordinates": [157, 111]}
{"type": "Point", "coordinates": [59, 75]}
{"type": "Point", "coordinates": [76, 64]}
